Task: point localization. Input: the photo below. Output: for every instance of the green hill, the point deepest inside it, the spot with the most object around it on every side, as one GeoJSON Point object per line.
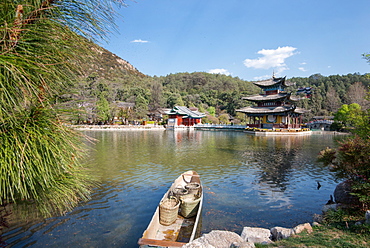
{"type": "Point", "coordinates": [109, 82]}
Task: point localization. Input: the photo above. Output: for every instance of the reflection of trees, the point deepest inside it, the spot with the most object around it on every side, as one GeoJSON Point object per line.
{"type": "Point", "coordinates": [276, 157]}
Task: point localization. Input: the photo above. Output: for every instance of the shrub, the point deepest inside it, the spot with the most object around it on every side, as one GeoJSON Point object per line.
{"type": "Point", "coordinates": [352, 161]}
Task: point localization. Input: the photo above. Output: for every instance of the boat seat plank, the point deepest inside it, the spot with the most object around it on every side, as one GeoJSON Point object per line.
{"type": "Point", "coordinates": [162, 243]}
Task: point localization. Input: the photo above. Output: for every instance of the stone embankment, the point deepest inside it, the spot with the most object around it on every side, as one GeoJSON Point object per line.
{"type": "Point", "coordinates": [249, 236]}
{"type": "Point", "coordinates": [117, 127]}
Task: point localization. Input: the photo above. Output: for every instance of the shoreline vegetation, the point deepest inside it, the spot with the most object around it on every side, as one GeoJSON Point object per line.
{"type": "Point", "coordinates": [341, 227]}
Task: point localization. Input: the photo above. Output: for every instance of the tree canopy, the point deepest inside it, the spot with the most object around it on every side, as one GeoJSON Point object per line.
{"type": "Point", "coordinates": [331, 92]}
{"type": "Point", "coordinates": [348, 114]}
{"type": "Point", "coordinates": [204, 91]}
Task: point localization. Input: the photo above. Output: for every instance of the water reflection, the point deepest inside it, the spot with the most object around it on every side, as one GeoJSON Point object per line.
{"type": "Point", "coordinates": [276, 158]}
{"type": "Point", "coordinates": [248, 181]}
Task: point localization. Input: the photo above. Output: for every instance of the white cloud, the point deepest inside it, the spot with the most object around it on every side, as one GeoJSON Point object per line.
{"type": "Point", "coordinates": [272, 58]}
{"type": "Point", "coordinates": [219, 71]}
{"type": "Point", "coordinates": [262, 77]}
{"type": "Point", "coordinates": [302, 69]}
{"type": "Point", "coordinates": [139, 41]}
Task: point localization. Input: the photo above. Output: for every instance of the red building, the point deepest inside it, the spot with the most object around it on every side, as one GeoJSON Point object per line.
{"type": "Point", "coordinates": [183, 116]}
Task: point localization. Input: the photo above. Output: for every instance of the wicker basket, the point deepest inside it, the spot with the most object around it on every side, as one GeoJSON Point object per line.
{"type": "Point", "coordinates": [193, 188]}
{"type": "Point", "coordinates": [168, 210]}
{"type": "Point", "coordinates": [179, 191]}
{"type": "Point", "coordinates": [189, 205]}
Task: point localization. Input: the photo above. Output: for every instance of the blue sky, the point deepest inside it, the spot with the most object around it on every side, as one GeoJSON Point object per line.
{"type": "Point", "coordinates": [249, 39]}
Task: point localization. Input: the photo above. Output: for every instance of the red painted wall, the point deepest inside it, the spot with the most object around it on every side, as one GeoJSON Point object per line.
{"type": "Point", "coordinates": [186, 121]}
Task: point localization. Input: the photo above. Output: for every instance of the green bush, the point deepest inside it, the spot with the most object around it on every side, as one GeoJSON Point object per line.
{"type": "Point", "coordinates": [352, 161]}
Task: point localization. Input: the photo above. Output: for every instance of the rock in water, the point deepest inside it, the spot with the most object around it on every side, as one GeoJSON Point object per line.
{"type": "Point", "coordinates": [367, 216]}
{"type": "Point", "coordinates": [219, 239]}
{"type": "Point", "coordinates": [342, 194]}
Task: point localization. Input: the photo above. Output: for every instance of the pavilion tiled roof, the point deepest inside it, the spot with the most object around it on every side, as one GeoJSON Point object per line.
{"type": "Point", "coordinates": [265, 110]}
{"type": "Point", "coordinates": [274, 97]}
{"type": "Point", "coordinates": [262, 97]}
{"type": "Point", "coordinates": [181, 110]}
{"type": "Point", "coordinates": [271, 110]}
{"type": "Point", "coordinates": [301, 110]}
{"type": "Point", "coordinates": [272, 81]}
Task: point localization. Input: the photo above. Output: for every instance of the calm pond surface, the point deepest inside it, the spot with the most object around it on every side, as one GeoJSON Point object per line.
{"type": "Point", "coordinates": [248, 181]}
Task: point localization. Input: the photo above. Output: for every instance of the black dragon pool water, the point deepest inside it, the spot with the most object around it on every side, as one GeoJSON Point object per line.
{"type": "Point", "coordinates": [248, 181]}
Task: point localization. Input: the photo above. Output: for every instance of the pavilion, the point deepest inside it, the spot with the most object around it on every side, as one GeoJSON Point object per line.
{"type": "Point", "coordinates": [275, 107]}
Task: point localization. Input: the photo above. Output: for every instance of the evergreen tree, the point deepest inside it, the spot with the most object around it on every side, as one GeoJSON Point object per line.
{"type": "Point", "coordinates": [102, 106]}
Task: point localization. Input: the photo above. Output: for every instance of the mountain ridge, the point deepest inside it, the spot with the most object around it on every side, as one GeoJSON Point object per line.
{"type": "Point", "coordinates": [109, 65]}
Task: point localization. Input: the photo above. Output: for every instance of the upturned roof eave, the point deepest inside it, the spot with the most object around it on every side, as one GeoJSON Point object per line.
{"type": "Point", "coordinates": [185, 112]}
{"type": "Point", "coordinates": [273, 81]}
{"type": "Point", "coordinates": [272, 110]}
{"type": "Point", "coordinates": [261, 97]}
{"type": "Point", "coordinates": [264, 110]}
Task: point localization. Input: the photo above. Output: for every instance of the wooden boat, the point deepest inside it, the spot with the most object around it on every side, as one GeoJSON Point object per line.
{"type": "Point", "coordinates": [183, 230]}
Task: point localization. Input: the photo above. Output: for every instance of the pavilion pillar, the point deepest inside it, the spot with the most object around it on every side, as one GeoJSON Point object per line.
{"type": "Point", "coordinates": [295, 122]}
{"type": "Point", "coordinates": [259, 121]}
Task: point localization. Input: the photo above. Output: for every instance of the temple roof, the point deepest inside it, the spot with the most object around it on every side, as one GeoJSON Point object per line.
{"type": "Point", "coordinates": [274, 97]}
{"type": "Point", "coordinates": [272, 81]}
{"type": "Point", "coordinates": [301, 110]}
{"type": "Point", "coordinates": [265, 110]}
{"type": "Point", "coordinates": [181, 110]}
{"type": "Point", "coordinates": [294, 98]}
{"type": "Point", "coordinates": [262, 97]}
{"type": "Point", "coordinates": [271, 110]}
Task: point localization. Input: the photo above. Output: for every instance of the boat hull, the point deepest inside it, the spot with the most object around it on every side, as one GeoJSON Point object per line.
{"type": "Point", "coordinates": [183, 230]}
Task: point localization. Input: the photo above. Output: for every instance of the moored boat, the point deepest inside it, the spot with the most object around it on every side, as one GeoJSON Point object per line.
{"type": "Point", "coordinates": [178, 214]}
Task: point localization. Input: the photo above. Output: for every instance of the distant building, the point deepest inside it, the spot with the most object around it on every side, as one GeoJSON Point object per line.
{"type": "Point", "coordinates": [124, 112]}
{"type": "Point", "coordinates": [321, 123]}
{"type": "Point", "coordinates": [275, 106]}
{"type": "Point", "coordinates": [157, 114]}
{"type": "Point", "coordinates": [183, 116]}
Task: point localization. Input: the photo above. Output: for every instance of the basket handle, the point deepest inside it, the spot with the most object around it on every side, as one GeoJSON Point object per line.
{"type": "Point", "coordinates": [183, 177]}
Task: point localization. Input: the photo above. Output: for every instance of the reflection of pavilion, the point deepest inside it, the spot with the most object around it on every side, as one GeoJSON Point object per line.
{"type": "Point", "coordinates": [277, 167]}
{"type": "Point", "coordinates": [275, 107]}
{"type": "Point", "coordinates": [275, 170]}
